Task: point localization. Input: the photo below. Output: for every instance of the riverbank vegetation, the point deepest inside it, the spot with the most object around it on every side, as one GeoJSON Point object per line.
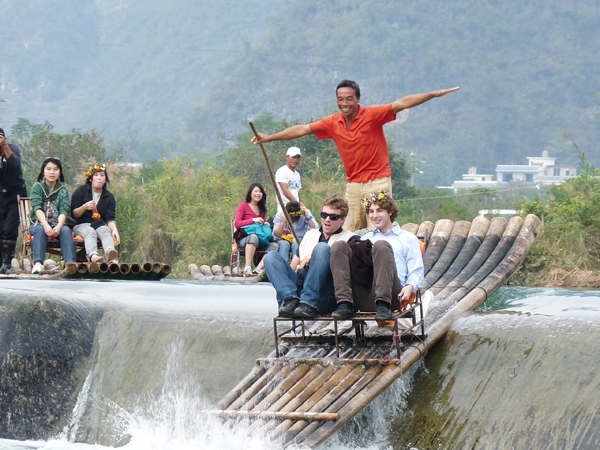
{"type": "Point", "coordinates": [178, 211]}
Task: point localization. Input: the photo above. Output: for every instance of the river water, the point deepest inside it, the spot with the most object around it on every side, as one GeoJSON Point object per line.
{"type": "Point", "coordinates": [520, 372]}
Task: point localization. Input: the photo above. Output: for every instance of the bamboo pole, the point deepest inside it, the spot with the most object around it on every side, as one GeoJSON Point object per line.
{"type": "Point", "coordinates": [124, 269]}
{"type": "Point", "coordinates": [72, 268]}
{"type": "Point", "coordinates": [438, 239]}
{"type": "Point", "coordinates": [135, 269]}
{"type": "Point", "coordinates": [94, 268]}
{"type": "Point", "coordinates": [287, 381]}
{"type": "Point", "coordinates": [258, 385]}
{"type": "Point", "coordinates": [326, 361]}
{"type": "Point", "coordinates": [295, 383]}
{"type": "Point", "coordinates": [452, 249]}
{"type": "Point", "coordinates": [241, 387]}
{"type": "Point", "coordinates": [276, 415]}
{"type": "Point", "coordinates": [277, 193]}
{"type": "Point", "coordinates": [82, 269]}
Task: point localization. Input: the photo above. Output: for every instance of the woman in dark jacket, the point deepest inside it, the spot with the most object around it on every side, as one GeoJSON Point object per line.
{"type": "Point", "coordinates": [94, 209]}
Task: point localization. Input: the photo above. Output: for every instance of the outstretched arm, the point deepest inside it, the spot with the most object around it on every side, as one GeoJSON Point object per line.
{"type": "Point", "coordinates": [288, 134]}
{"type": "Point", "coordinates": [416, 99]}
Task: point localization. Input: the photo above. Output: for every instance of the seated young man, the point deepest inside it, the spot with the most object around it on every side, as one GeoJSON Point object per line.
{"type": "Point", "coordinates": [397, 265]}
{"type": "Point", "coordinates": [302, 221]}
{"type": "Point", "coordinates": [315, 295]}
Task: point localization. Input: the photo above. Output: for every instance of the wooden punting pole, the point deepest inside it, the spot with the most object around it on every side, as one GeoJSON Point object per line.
{"type": "Point", "coordinates": [275, 415]}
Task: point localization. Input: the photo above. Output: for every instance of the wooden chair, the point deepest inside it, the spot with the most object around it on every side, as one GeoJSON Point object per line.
{"type": "Point", "coordinates": [237, 253]}
{"type": "Point", "coordinates": [53, 245]}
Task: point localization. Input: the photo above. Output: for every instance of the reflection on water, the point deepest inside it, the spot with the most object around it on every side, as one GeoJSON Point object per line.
{"type": "Point", "coordinates": [520, 371]}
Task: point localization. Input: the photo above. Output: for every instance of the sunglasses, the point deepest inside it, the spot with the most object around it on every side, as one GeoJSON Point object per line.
{"type": "Point", "coordinates": [325, 215]}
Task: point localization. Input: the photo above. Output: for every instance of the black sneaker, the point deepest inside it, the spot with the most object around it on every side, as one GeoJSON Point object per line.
{"type": "Point", "coordinates": [384, 311]}
{"type": "Point", "coordinates": [345, 310]}
{"type": "Point", "coordinates": [289, 306]}
{"type": "Point", "coordinates": [305, 311]}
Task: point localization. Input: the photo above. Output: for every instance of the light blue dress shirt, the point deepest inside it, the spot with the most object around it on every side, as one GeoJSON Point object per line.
{"type": "Point", "coordinates": [407, 253]}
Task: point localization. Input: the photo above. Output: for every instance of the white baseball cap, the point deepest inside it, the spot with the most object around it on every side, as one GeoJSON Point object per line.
{"type": "Point", "coordinates": [293, 151]}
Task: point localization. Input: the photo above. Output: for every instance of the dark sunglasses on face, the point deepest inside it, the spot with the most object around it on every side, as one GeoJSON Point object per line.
{"type": "Point", "coordinates": [325, 215]}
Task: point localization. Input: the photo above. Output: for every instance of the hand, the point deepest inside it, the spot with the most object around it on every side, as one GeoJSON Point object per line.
{"type": "Point", "coordinates": [116, 237]}
{"type": "Point", "coordinates": [444, 91]}
{"type": "Point", "coordinates": [258, 220]}
{"type": "Point", "coordinates": [89, 206]}
{"type": "Point", "coordinates": [262, 138]}
{"type": "Point", "coordinates": [48, 230]}
{"type": "Point", "coordinates": [406, 292]}
{"type": "Point", "coordinates": [56, 230]}
{"type": "Point", "coordinates": [2, 141]}
{"type": "Point", "coordinates": [304, 261]}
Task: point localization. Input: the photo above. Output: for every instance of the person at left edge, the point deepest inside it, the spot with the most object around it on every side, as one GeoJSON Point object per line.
{"type": "Point", "coordinates": [12, 184]}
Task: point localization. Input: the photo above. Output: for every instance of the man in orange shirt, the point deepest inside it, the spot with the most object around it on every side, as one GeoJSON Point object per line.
{"type": "Point", "coordinates": [358, 134]}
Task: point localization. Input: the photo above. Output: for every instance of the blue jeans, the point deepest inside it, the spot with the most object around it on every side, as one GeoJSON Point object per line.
{"type": "Point", "coordinates": [40, 239]}
{"type": "Point", "coordinates": [284, 248]}
{"type": "Point", "coordinates": [317, 291]}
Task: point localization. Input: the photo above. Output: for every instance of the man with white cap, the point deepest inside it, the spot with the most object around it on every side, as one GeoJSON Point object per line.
{"type": "Point", "coordinates": [288, 178]}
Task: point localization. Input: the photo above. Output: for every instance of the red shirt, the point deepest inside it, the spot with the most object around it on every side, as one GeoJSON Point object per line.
{"type": "Point", "coordinates": [244, 215]}
{"type": "Point", "coordinates": [363, 147]}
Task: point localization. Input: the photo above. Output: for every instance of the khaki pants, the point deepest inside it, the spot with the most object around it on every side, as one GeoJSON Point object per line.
{"type": "Point", "coordinates": [355, 192]}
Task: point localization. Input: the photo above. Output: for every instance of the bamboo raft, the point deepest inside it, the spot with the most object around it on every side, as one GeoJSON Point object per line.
{"type": "Point", "coordinates": [116, 271]}
{"type": "Point", "coordinates": [314, 383]}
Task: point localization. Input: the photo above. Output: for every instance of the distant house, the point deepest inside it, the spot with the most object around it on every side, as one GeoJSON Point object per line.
{"type": "Point", "coordinates": [540, 170]}
{"type": "Point", "coordinates": [474, 180]}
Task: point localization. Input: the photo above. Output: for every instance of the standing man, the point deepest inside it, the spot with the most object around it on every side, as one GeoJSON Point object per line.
{"type": "Point", "coordinates": [12, 184]}
{"type": "Point", "coordinates": [358, 134]}
{"type": "Point", "coordinates": [305, 287]}
{"type": "Point", "coordinates": [288, 179]}
{"type": "Point", "coordinates": [397, 265]}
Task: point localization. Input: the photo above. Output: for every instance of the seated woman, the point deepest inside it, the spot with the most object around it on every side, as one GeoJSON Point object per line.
{"type": "Point", "coordinates": [94, 209]}
{"type": "Point", "coordinates": [302, 221]}
{"type": "Point", "coordinates": [253, 210]}
{"type": "Point", "coordinates": [49, 211]}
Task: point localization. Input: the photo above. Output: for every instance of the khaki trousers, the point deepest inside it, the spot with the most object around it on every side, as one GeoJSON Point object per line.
{"type": "Point", "coordinates": [357, 218]}
{"type": "Point", "coordinates": [386, 284]}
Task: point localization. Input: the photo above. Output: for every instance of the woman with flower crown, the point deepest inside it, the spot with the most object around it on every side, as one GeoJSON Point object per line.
{"type": "Point", "coordinates": [49, 211]}
{"type": "Point", "coordinates": [94, 208]}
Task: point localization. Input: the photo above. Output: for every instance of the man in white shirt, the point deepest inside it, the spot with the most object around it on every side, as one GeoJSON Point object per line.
{"type": "Point", "coordinates": [288, 178]}
{"type": "Point", "coordinates": [397, 265]}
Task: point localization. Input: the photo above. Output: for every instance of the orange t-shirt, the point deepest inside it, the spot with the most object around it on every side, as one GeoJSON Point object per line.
{"type": "Point", "coordinates": [363, 147]}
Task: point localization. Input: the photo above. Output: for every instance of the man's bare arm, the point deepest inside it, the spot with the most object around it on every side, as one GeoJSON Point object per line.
{"type": "Point", "coordinates": [286, 191]}
{"type": "Point", "coordinates": [416, 99]}
{"type": "Point", "coordinates": [288, 134]}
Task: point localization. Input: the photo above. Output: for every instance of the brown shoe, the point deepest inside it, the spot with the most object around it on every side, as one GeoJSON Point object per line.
{"type": "Point", "coordinates": [112, 256]}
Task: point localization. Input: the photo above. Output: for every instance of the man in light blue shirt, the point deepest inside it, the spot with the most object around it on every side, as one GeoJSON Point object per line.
{"type": "Point", "coordinates": [302, 220]}
{"type": "Point", "coordinates": [396, 269]}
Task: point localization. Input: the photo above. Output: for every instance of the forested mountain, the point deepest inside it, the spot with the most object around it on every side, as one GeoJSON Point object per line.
{"type": "Point", "coordinates": [528, 71]}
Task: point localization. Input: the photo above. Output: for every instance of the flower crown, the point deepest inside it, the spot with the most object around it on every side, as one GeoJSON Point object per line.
{"type": "Point", "coordinates": [296, 213]}
{"type": "Point", "coordinates": [93, 169]}
{"type": "Point", "coordinates": [382, 197]}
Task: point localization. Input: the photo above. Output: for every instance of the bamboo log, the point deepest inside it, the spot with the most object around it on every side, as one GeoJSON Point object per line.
{"type": "Point", "coordinates": [517, 253]}
{"type": "Point", "coordinates": [124, 269]}
{"type": "Point", "coordinates": [82, 269]}
{"type": "Point", "coordinates": [287, 381]}
{"type": "Point", "coordinates": [135, 269]}
{"type": "Point", "coordinates": [490, 242]}
{"type": "Point", "coordinates": [258, 385]}
{"type": "Point", "coordinates": [248, 381]}
{"type": "Point", "coordinates": [72, 268]}
{"type": "Point", "coordinates": [103, 268]}
{"type": "Point", "coordinates": [217, 271]}
{"type": "Point", "coordinates": [333, 361]}
{"type": "Point", "coordinates": [453, 247]}
{"type": "Point", "coordinates": [94, 268]}
{"type": "Point", "coordinates": [294, 383]}
{"type": "Point", "coordinates": [301, 430]}
{"type": "Point", "coordinates": [425, 230]}
{"type": "Point", "coordinates": [477, 233]}
{"type": "Point", "coordinates": [437, 241]}
{"type": "Point", "coordinates": [164, 271]}
{"type": "Point", "coordinates": [113, 268]}
{"type": "Point", "coordinates": [147, 268]}
{"type": "Point", "coordinates": [342, 381]}
{"type": "Point", "coordinates": [227, 271]}
{"type": "Point", "coordinates": [411, 228]}
{"type": "Point", "coordinates": [276, 415]}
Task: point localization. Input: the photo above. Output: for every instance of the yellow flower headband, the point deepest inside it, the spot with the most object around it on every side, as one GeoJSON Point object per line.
{"type": "Point", "coordinates": [97, 168]}
{"type": "Point", "coordinates": [382, 197]}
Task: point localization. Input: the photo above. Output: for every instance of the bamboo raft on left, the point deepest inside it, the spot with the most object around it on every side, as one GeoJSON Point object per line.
{"type": "Point", "coordinates": [85, 270]}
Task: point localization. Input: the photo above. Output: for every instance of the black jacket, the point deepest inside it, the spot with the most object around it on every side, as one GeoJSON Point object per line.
{"type": "Point", "coordinates": [107, 206]}
{"type": "Point", "coordinates": [11, 173]}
